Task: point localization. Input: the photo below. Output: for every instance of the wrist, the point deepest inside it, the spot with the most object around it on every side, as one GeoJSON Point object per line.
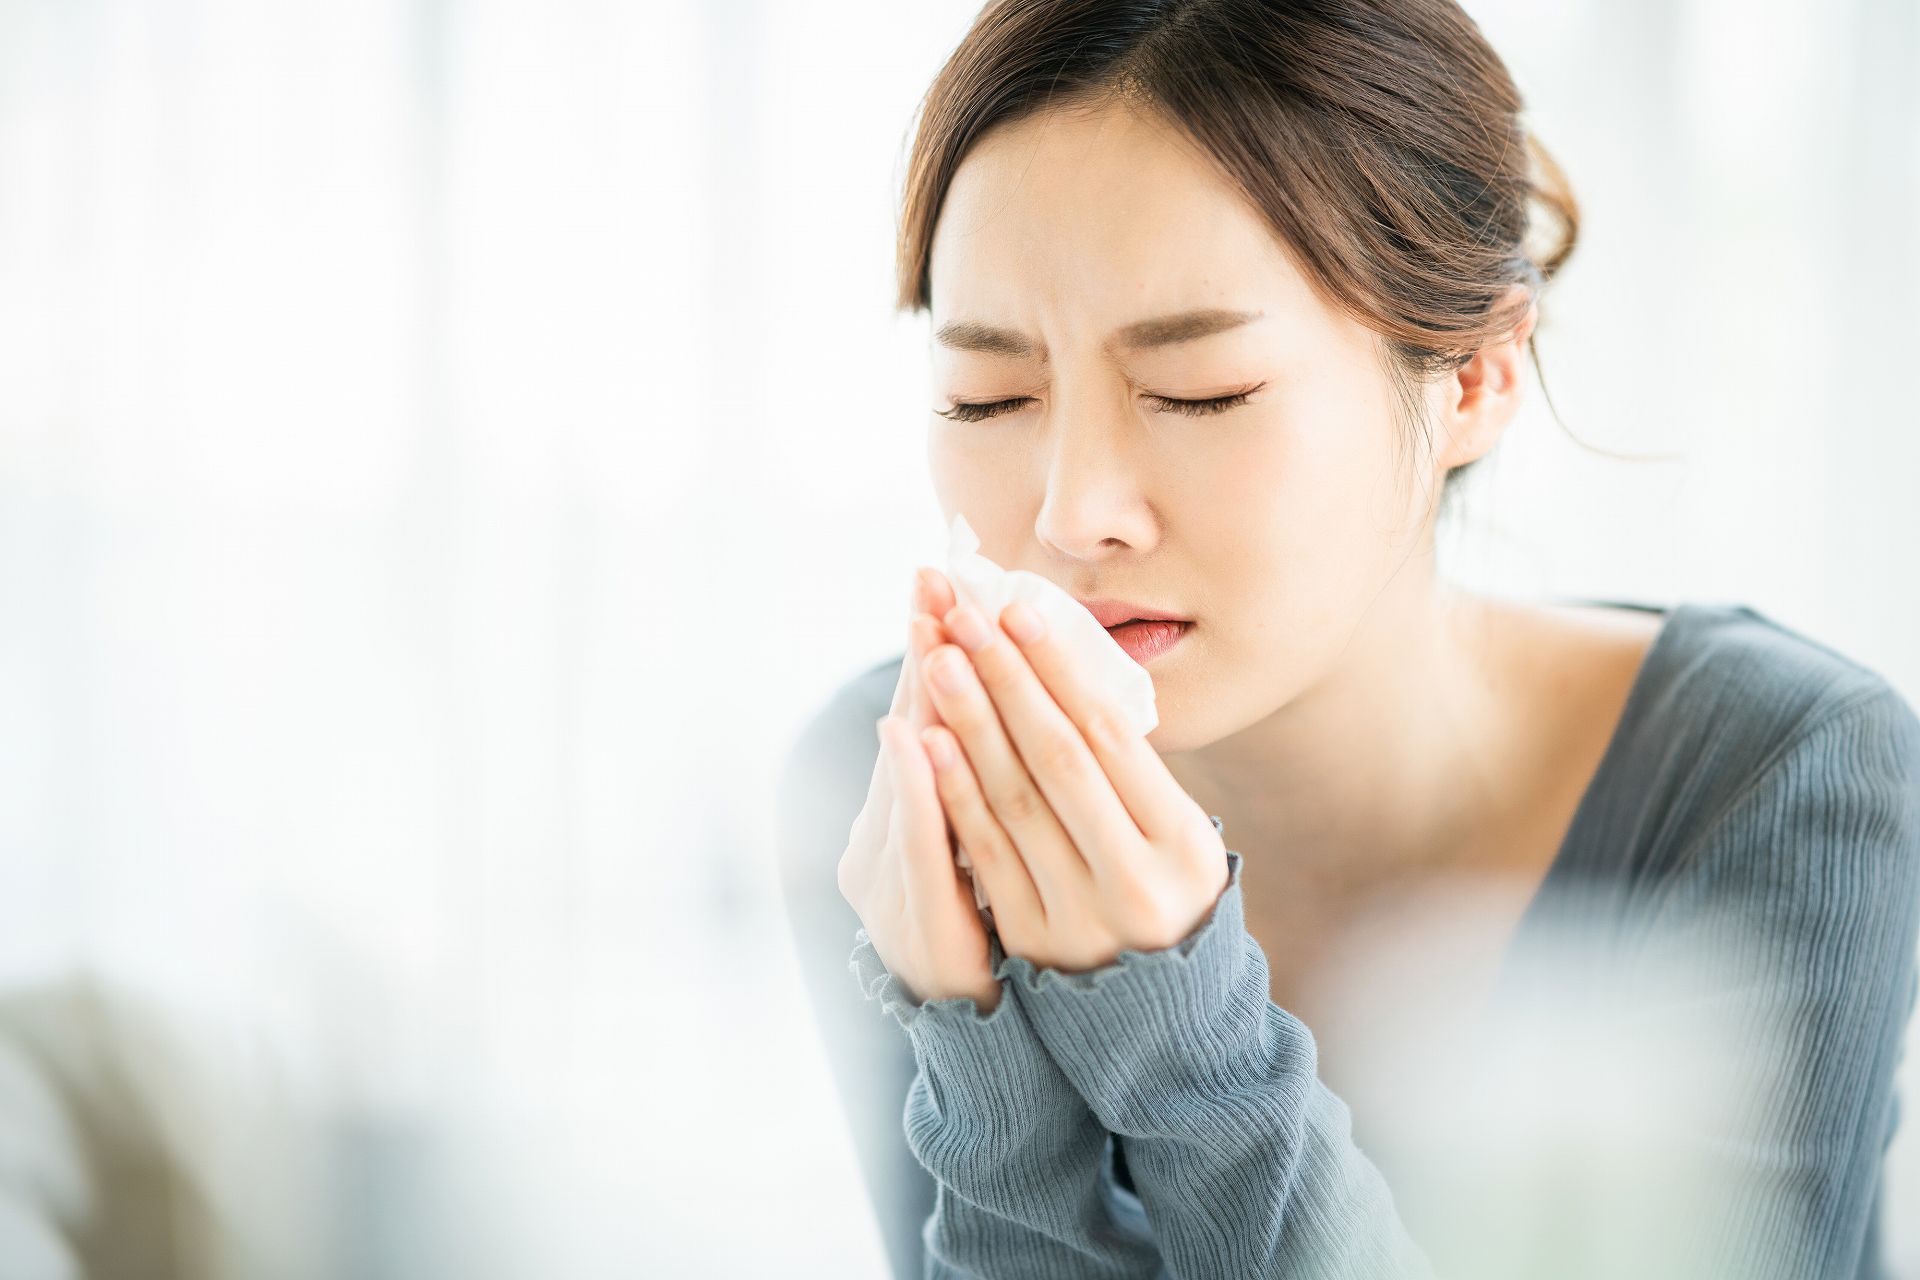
{"type": "Point", "coordinates": [1180, 1018]}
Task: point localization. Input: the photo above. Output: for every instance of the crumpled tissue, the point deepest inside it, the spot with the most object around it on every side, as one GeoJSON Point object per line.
{"type": "Point", "coordinates": [983, 584]}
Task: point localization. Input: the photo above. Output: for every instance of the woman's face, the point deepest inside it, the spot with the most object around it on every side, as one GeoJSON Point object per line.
{"type": "Point", "coordinates": [1273, 524]}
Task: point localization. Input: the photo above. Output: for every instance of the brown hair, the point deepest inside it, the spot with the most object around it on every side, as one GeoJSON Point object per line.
{"type": "Point", "coordinates": [1380, 139]}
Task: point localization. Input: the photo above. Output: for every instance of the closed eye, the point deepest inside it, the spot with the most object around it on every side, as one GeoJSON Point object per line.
{"type": "Point", "coordinates": [1193, 408]}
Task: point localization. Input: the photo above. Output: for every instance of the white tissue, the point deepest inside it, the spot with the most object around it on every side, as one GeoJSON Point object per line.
{"type": "Point", "coordinates": [983, 584]}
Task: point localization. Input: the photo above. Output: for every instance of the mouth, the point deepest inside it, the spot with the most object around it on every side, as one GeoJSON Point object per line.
{"type": "Point", "coordinates": [1114, 613]}
{"type": "Point", "coordinates": [1145, 639]}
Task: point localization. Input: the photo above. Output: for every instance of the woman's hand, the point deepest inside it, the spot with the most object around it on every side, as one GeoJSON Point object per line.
{"type": "Point", "coordinates": [1085, 843]}
{"type": "Point", "coordinates": [898, 870]}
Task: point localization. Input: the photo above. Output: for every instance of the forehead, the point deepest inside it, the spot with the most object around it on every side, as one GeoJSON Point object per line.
{"type": "Point", "coordinates": [1109, 208]}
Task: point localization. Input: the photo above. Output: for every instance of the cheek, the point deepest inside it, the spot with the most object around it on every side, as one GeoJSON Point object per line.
{"type": "Point", "coordinates": [962, 470]}
{"type": "Point", "coordinates": [1281, 496]}
{"type": "Point", "coordinates": [1293, 525]}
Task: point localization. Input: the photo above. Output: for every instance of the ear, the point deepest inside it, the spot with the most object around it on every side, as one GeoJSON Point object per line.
{"type": "Point", "coordinates": [1473, 404]}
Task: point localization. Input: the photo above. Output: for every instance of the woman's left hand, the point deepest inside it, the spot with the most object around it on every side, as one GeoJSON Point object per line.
{"type": "Point", "coordinates": [1084, 842]}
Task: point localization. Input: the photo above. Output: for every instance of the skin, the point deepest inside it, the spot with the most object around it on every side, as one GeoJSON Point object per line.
{"type": "Point", "coordinates": [1326, 668]}
{"type": "Point", "coordinates": [1085, 843]}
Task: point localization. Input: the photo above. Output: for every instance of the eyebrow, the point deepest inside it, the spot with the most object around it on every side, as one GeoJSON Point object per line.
{"type": "Point", "coordinates": [1141, 335]}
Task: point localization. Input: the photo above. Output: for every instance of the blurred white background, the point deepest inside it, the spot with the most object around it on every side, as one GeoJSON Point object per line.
{"type": "Point", "coordinates": [447, 448]}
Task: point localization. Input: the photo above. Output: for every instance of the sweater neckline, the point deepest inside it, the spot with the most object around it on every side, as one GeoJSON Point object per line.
{"type": "Point", "coordinates": [1647, 683]}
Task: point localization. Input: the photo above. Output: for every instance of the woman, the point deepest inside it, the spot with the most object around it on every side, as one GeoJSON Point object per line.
{"type": "Point", "coordinates": [1226, 297]}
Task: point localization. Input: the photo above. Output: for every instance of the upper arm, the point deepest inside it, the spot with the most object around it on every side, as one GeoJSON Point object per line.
{"type": "Point", "coordinates": [823, 785]}
{"type": "Point", "coordinates": [1795, 917]}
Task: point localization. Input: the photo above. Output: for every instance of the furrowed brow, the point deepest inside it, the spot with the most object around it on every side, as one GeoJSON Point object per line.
{"type": "Point", "coordinates": [1141, 335]}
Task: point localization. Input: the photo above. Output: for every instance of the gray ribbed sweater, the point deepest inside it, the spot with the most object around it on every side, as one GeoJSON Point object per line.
{"type": "Point", "coordinates": [1161, 1116]}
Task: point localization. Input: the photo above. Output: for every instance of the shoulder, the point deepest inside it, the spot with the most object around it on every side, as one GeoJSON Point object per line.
{"type": "Point", "coordinates": [1744, 687]}
{"type": "Point", "coordinates": [846, 714]}
{"type": "Point", "coordinates": [827, 766]}
{"type": "Point", "coordinates": [1775, 765]}
{"type": "Point", "coordinates": [1727, 694]}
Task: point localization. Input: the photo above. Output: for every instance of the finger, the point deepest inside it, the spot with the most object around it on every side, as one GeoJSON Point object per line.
{"type": "Point", "coordinates": [925, 635]}
{"type": "Point", "coordinates": [920, 826]}
{"type": "Point", "coordinates": [1018, 911]}
{"type": "Point", "coordinates": [1159, 805]}
{"type": "Point", "coordinates": [1017, 803]}
{"type": "Point", "coordinates": [903, 691]}
{"type": "Point", "coordinates": [1059, 759]}
{"type": "Point", "coordinates": [922, 714]}
{"type": "Point", "coordinates": [907, 701]}
{"type": "Point", "coordinates": [885, 871]}
{"type": "Point", "coordinates": [939, 597]}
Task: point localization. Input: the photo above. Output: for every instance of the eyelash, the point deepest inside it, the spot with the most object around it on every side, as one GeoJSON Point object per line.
{"type": "Point", "coordinates": [1192, 408]}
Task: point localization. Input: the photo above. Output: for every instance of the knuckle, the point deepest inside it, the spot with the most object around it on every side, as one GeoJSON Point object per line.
{"type": "Point", "coordinates": [976, 852]}
{"type": "Point", "coordinates": [993, 850]}
{"type": "Point", "coordinates": [964, 715]}
{"type": "Point", "coordinates": [1105, 731]}
{"type": "Point", "coordinates": [1059, 756]}
{"type": "Point", "coordinates": [1022, 806]}
{"type": "Point", "coordinates": [956, 784]}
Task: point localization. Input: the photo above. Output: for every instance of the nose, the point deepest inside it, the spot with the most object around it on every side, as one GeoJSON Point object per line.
{"type": "Point", "coordinates": [1096, 504]}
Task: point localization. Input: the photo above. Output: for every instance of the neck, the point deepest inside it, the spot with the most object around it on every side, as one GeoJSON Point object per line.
{"type": "Point", "coordinates": [1384, 767]}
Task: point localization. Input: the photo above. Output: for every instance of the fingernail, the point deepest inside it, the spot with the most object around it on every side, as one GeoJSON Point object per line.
{"type": "Point", "coordinates": [968, 627]}
{"type": "Point", "coordinates": [947, 670]}
{"type": "Point", "coordinates": [939, 748]}
{"type": "Point", "coordinates": [1022, 623]}
{"type": "Point", "coordinates": [933, 633]}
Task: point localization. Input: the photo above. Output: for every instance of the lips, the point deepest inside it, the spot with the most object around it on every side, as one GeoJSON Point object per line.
{"type": "Point", "coordinates": [1114, 613]}
{"type": "Point", "coordinates": [1146, 640]}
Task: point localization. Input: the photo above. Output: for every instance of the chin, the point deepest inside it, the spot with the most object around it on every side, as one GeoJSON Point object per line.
{"type": "Point", "coordinates": [1171, 736]}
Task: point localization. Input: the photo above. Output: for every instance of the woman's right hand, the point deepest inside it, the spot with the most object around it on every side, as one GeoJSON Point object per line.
{"type": "Point", "coordinates": [898, 870]}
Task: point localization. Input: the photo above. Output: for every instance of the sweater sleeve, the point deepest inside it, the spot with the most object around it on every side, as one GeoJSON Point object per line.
{"type": "Point", "coordinates": [1244, 1160]}
{"type": "Point", "coordinates": [1023, 1184]}
{"type": "Point", "coordinates": [1793, 914]}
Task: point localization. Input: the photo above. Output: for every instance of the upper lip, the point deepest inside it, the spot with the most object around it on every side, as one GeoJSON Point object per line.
{"type": "Point", "coordinates": [1111, 613]}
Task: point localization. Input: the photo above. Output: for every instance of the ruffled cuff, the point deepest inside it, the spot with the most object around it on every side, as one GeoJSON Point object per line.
{"type": "Point", "coordinates": [1150, 1030]}
{"type": "Point", "coordinates": [988, 1067]}
{"type": "Point", "coordinates": [1204, 965]}
{"type": "Point", "coordinates": [877, 983]}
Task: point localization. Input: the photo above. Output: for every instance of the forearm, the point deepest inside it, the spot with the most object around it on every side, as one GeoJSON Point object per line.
{"type": "Point", "coordinates": [1244, 1160]}
{"type": "Point", "coordinates": [1023, 1185]}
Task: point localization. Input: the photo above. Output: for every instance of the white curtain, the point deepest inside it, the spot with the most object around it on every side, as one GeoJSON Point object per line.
{"type": "Point", "coordinates": [447, 447]}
